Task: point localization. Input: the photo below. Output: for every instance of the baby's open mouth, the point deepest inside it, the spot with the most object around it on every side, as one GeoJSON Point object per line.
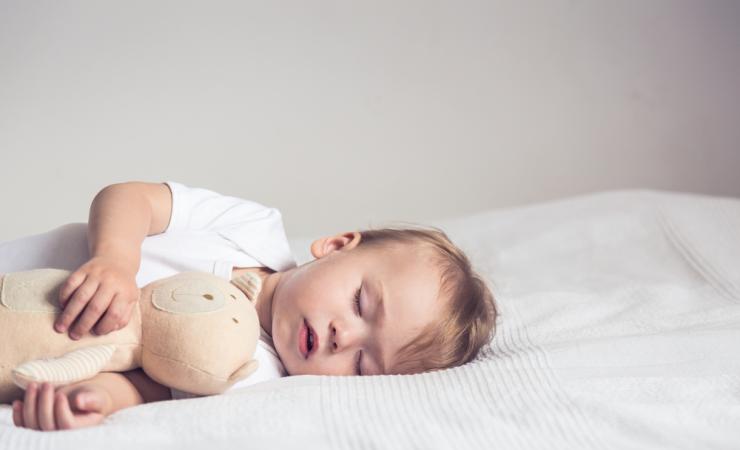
{"type": "Point", "coordinates": [309, 341]}
{"type": "Point", "coordinates": [312, 340]}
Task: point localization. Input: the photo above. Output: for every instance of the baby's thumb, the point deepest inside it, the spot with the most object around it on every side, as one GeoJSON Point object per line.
{"type": "Point", "coordinates": [87, 401]}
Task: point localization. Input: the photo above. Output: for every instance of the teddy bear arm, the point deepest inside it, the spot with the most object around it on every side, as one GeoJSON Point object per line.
{"type": "Point", "coordinates": [71, 367]}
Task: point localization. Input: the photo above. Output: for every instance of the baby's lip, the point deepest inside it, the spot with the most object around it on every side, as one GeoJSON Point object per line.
{"type": "Point", "coordinates": [303, 339]}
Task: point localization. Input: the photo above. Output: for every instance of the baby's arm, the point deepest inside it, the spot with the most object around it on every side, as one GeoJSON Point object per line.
{"type": "Point", "coordinates": [148, 390]}
{"type": "Point", "coordinates": [87, 402]}
{"type": "Point", "coordinates": [103, 290]}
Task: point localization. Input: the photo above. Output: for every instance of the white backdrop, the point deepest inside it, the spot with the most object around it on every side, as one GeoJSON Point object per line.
{"type": "Point", "coordinates": [349, 114]}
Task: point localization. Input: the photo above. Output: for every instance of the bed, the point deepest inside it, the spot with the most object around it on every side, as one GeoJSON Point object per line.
{"type": "Point", "coordinates": [619, 327]}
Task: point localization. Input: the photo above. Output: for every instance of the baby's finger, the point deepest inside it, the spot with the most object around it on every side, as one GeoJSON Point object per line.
{"type": "Point", "coordinates": [89, 402]}
{"type": "Point", "coordinates": [69, 286]}
{"type": "Point", "coordinates": [45, 407]}
{"type": "Point", "coordinates": [18, 413]}
{"type": "Point", "coordinates": [127, 315]}
{"type": "Point", "coordinates": [92, 313]}
{"type": "Point", "coordinates": [76, 304]}
{"type": "Point", "coordinates": [114, 317]}
{"type": "Point", "coordinates": [29, 407]}
{"type": "Point", "coordinates": [62, 412]}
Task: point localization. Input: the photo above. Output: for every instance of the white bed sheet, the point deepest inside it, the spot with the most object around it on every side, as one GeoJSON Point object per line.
{"type": "Point", "coordinates": [619, 328]}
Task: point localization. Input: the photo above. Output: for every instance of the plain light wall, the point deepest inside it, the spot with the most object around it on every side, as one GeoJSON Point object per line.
{"type": "Point", "coordinates": [349, 114]}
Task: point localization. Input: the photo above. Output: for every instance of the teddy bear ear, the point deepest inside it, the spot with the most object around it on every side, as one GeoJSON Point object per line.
{"type": "Point", "coordinates": [244, 371]}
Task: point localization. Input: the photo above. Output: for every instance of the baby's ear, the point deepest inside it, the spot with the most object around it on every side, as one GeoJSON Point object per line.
{"type": "Point", "coordinates": [326, 245]}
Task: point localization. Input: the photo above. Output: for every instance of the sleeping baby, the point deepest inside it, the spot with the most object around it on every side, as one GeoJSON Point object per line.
{"type": "Point", "coordinates": [374, 302]}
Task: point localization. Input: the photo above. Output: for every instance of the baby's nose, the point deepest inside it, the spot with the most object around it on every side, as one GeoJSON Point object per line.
{"type": "Point", "coordinates": [343, 338]}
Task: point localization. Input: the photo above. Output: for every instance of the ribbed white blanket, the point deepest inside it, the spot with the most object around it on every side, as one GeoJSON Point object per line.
{"type": "Point", "coordinates": [619, 328]}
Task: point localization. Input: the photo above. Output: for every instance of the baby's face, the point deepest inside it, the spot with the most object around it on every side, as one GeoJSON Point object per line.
{"type": "Point", "coordinates": [319, 299]}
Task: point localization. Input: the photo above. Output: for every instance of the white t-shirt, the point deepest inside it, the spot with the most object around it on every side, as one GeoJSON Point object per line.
{"type": "Point", "coordinates": [207, 232]}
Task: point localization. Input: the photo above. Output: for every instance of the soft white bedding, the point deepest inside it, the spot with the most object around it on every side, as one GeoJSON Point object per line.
{"type": "Point", "coordinates": [619, 328]}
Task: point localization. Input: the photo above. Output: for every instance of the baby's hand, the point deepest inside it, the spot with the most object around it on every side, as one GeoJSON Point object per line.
{"type": "Point", "coordinates": [74, 406]}
{"type": "Point", "coordinates": [100, 286]}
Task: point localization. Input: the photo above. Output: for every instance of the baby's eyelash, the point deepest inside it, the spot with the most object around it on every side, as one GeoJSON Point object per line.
{"type": "Point", "coordinates": [357, 301]}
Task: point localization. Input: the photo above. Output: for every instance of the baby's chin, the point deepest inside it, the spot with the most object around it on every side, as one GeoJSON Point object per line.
{"type": "Point", "coordinates": [288, 365]}
{"type": "Point", "coordinates": [300, 369]}
{"type": "Point", "coordinates": [292, 371]}
{"type": "Point", "coordinates": [290, 360]}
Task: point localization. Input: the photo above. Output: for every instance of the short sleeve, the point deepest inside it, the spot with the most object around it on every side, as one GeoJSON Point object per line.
{"type": "Point", "coordinates": [196, 208]}
{"type": "Point", "coordinates": [256, 229]}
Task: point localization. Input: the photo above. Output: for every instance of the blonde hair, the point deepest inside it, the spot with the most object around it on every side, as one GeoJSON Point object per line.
{"type": "Point", "coordinates": [469, 316]}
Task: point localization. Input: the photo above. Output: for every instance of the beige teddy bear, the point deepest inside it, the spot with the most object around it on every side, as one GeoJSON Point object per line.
{"type": "Point", "coordinates": [192, 331]}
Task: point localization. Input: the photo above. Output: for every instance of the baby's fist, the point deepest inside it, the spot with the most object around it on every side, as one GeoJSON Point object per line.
{"type": "Point", "coordinates": [75, 406]}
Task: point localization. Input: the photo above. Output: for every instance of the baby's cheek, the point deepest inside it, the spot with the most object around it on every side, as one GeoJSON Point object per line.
{"type": "Point", "coordinates": [283, 356]}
